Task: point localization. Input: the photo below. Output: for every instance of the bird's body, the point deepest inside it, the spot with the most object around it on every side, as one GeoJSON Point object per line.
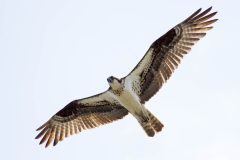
{"type": "Point", "coordinates": [134, 106]}
{"type": "Point", "coordinates": [124, 93]}
{"type": "Point", "coordinates": [129, 94]}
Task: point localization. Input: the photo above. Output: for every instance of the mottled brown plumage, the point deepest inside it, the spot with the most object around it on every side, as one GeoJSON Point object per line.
{"type": "Point", "coordinates": [131, 92]}
{"type": "Point", "coordinates": [79, 115]}
{"type": "Point", "coordinates": [169, 49]}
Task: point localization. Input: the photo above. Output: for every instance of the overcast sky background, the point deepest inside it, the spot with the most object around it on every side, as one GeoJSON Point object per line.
{"type": "Point", "coordinates": [52, 52]}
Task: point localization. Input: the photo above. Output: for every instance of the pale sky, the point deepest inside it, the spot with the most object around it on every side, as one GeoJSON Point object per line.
{"type": "Point", "coordinates": [52, 52]}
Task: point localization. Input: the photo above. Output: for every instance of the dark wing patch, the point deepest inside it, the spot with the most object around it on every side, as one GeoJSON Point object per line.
{"type": "Point", "coordinates": [167, 52]}
{"type": "Point", "coordinates": [78, 116]}
{"type": "Point", "coordinates": [75, 108]}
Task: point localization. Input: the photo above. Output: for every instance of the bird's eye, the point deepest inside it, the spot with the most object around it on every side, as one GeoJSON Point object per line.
{"type": "Point", "coordinates": [110, 79]}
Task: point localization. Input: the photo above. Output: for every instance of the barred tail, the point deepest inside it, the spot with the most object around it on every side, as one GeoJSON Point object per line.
{"type": "Point", "coordinates": [152, 126]}
{"type": "Point", "coordinates": [148, 129]}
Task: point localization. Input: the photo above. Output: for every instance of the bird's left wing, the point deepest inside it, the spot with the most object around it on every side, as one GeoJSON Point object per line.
{"type": "Point", "coordinates": [165, 54]}
{"type": "Point", "coordinates": [79, 115]}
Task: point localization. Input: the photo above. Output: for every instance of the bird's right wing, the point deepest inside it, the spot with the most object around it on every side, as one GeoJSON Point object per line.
{"type": "Point", "coordinates": [79, 115]}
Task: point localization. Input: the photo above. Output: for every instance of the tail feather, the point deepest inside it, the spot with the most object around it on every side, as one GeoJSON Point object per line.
{"type": "Point", "coordinates": [155, 123]}
{"type": "Point", "coordinates": [152, 126]}
{"type": "Point", "coordinates": [148, 129]}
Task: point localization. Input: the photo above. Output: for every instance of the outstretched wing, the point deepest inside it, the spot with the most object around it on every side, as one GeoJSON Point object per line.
{"type": "Point", "coordinates": [165, 54]}
{"type": "Point", "coordinates": [79, 115]}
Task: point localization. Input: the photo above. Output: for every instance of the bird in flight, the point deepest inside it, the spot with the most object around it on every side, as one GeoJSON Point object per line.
{"type": "Point", "coordinates": [129, 94]}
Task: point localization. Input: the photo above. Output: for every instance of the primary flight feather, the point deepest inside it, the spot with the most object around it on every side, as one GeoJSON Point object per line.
{"type": "Point", "coordinates": [129, 94]}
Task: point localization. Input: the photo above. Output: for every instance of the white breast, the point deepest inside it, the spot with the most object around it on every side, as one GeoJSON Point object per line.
{"type": "Point", "coordinates": [129, 99]}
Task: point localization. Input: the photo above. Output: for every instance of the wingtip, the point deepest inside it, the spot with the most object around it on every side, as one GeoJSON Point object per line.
{"type": "Point", "coordinates": [214, 13]}
{"type": "Point", "coordinates": [55, 143]}
{"type": "Point", "coordinates": [199, 10]}
{"type": "Point", "coordinates": [41, 127]}
{"type": "Point", "coordinates": [207, 10]}
{"type": "Point", "coordinates": [46, 145]}
{"type": "Point", "coordinates": [210, 8]}
{"type": "Point", "coordinates": [41, 142]}
{"type": "Point", "coordinates": [214, 20]}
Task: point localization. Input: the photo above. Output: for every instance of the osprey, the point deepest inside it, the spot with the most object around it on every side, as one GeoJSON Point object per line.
{"type": "Point", "coordinates": [129, 94]}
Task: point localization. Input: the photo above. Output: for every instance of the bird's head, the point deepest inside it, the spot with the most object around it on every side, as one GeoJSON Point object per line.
{"type": "Point", "coordinates": [114, 82]}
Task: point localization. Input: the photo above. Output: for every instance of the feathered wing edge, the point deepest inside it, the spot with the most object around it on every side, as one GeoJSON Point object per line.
{"type": "Point", "coordinates": [154, 69]}
{"type": "Point", "coordinates": [165, 54]}
{"type": "Point", "coordinates": [77, 116]}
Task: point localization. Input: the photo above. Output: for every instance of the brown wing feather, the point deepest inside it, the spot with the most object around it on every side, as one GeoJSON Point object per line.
{"type": "Point", "coordinates": [80, 115]}
{"type": "Point", "coordinates": [167, 51]}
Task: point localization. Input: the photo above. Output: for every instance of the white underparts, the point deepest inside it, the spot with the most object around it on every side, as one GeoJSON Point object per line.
{"type": "Point", "coordinates": [130, 100]}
